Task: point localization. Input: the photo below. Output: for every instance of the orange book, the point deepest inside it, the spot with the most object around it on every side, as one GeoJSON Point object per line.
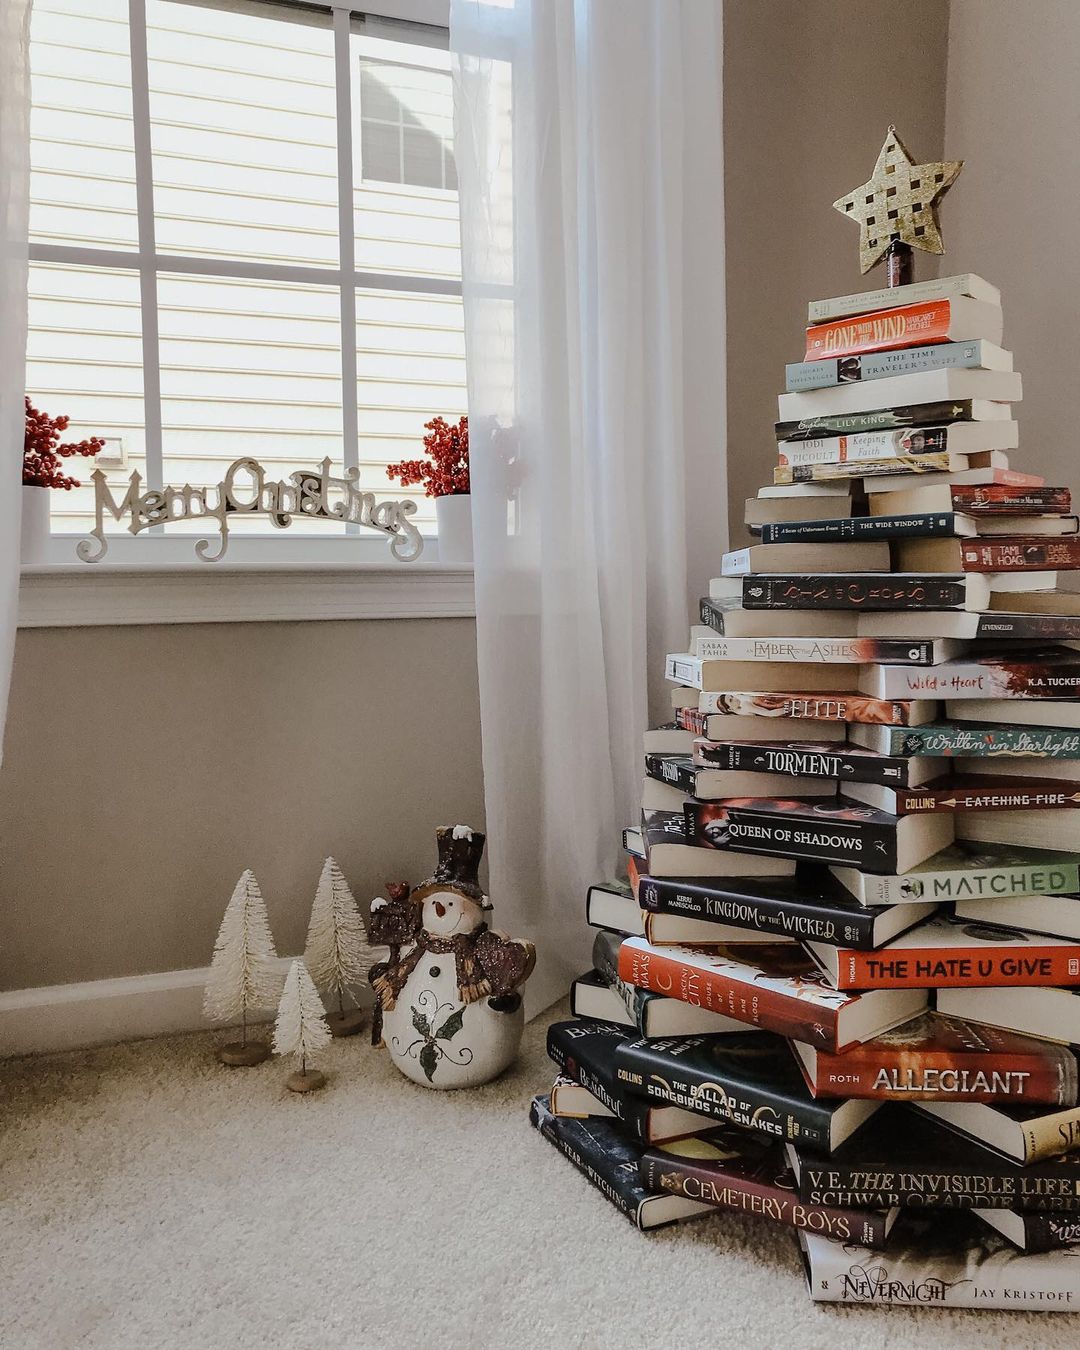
{"type": "Point", "coordinates": [949, 953]}
{"type": "Point", "coordinates": [918, 325]}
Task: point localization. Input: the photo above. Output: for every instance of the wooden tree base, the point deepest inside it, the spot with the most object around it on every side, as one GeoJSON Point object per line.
{"type": "Point", "coordinates": [242, 1055]}
{"type": "Point", "coordinates": [305, 1082]}
{"type": "Point", "coordinates": [347, 1023]}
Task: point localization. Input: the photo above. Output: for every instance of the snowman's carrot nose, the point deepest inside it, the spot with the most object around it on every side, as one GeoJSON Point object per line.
{"type": "Point", "coordinates": [440, 909]}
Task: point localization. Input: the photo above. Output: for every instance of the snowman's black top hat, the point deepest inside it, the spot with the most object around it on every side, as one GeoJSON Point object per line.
{"type": "Point", "coordinates": [460, 851]}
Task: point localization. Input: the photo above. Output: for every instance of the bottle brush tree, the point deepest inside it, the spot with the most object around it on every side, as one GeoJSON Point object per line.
{"type": "Point", "coordinates": [244, 979]}
{"type": "Point", "coordinates": [338, 954]}
{"type": "Point", "coordinates": [300, 1029]}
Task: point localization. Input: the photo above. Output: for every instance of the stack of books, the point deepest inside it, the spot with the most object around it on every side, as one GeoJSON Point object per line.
{"type": "Point", "coordinates": [840, 985]}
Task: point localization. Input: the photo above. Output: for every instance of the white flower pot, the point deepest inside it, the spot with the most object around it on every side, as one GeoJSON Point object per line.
{"type": "Point", "coordinates": [34, 537]}
{"type": "Point", "coordinates": [454, 514]}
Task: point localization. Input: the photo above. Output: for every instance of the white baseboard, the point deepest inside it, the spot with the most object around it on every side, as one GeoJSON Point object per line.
{"type": "Point", "coordinates": [99, 1012]}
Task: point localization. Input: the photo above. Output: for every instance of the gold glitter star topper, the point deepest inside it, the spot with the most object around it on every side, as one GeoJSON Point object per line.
{"type": "Point", "coordinates": [898, 203]}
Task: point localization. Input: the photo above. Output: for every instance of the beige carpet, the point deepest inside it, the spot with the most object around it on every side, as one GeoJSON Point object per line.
{"type": "Point", "coordinates": [152, 1199]}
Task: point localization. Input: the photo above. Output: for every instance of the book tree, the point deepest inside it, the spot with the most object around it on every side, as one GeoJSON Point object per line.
{"type": "Point", "coordinates": [338, 955]}
{"type": "Point", "coordinates": [244, 979]}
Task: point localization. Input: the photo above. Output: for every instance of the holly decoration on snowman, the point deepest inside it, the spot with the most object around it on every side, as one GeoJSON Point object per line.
{"type": "Point", "coordinates": [448, 1008]}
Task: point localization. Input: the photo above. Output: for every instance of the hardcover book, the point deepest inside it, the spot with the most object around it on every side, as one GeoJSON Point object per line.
{"type": "Point", "coordinates": [647, 1014]}
{"type": "Point", "coordinates": [797, 909]}
{"type": "Point", "coordinates": [727, 617]}
{"type": "Point", "coordinates": [972, 792]}
{"type": "Point", "coordinates": [966, 871]}
{"type": "Point", "coordinates": [971, 740]}
{"type": "Point", "coordinates": [611, 905]}
{"type": "Point", "coordinates": [823, 374]}
{"type": "Point", "coordinates": [1022, 1131]}
{"type": "Point", "coordinates": [747, 1080]}
{"type": "Point", "coordinates": [1033, 1232]}
{"type": "Point", "coordinates": [818, 759]}
{"type": "Point", "coordinates": [827, 650]}
{"type": "Point", "coordinates": [1053, 1014]}
{"type": "Point", "coordinates": [998, 554]}
{"type": "Point", "coordinates": [924, 322]}
{"type": "Point", "coordinates": [869, 591]}
{"type": "Point", "coordinates": [941, 1263]}
{"type": "Point", "coordinates": [774, 986]}
{"type": "Point", "coordinates": [945, 953]}
{"type": "Point", "coordinates": [1055, 915]}
{"type": "Point", "coordinates": [935, 1057]}
{"type": "Point", "coordinates": [992, 499]}
{"type": "Point", "coordinates": [649, 1124]}
{"type": "Point", "coordinates": [937, 288]}
{"type": "Point", "coordinates": [612, 1163]}
{"type": "Point", "coordinates": [728, 675]}
{"type": "Point", "coordinates": [956, 438]}
{"type": "Point", "coordinates": [910, 1160]}
{"type": "Point", "coordinates": [913, 465]}
{"type": "Point", "coordinates": [733, 1169]}
{"type": "Point", "coordinates": [1003, 386]}
{"type": "Point", "coordinates": [715, 710]}
{"type": "Point", "coordinates": [1028, 627]}
{"type": "Point", "coordinates": [709, 783]}
{"type": "Point", "coordinates": [1052, 672]}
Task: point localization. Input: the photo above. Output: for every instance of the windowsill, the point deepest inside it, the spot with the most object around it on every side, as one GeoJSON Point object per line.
{"type": "Point", "coordinates": [254, 583]}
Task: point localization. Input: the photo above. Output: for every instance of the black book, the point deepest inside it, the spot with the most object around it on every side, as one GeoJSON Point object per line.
{"type": "Point", "coordinates": [1001, 626]}
{"type": "Point", "coordinates": [864, 591]}
{"type": "Point", "coordinates": [612, 1163]}
{"type": "Point", "coordinates": [750, 1079]}
{"type": "Point", "coordinates": [813, 759]}
{"type": "Point", "coordinates": [1033, 1232]}
{"type": "Point", "coordinates": [810, 909]}
{"type": "Point", "coordinates": [910, 1160]}
{"type": "Point", "coordinates": [837, 832]}
{"type": "Point", "coordinates": [880, 419]}
{"type": "Point", "coordinates": [924, 525]}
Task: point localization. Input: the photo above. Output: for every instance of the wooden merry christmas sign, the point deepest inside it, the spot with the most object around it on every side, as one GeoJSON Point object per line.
{"type": "Point", "coordinates": [315, 494]}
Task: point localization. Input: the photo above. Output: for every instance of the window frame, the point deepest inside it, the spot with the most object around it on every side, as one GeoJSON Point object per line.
{"type": "Point", "coordinates": [153, 549]}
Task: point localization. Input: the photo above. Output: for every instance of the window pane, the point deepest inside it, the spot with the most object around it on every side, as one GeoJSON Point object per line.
{"type": "Point", "coordinates": [405, 184]}
{"type": "Point", "coordinates": [410, 368]}
{"type": "Point", "coordinates": [82, 155]}
{"type": "Point", "coordinates": [84, 360]}
{"type": "Point", "coordinates": [248, 368]}
{"type": "Point", "coordinates": [243, 114]}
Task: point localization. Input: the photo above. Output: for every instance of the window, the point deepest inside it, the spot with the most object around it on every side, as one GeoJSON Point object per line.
{"type": "Point", "coordinates": [244, 240]}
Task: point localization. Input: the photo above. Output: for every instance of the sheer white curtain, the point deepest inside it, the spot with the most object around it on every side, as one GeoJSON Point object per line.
{"type": "Point", "coordinates": [588, 142]}
{"type": "Point", "coordinates": [14, 179]}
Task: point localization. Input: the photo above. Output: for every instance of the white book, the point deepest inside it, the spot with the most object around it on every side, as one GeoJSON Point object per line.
{"type": "Point", "coordinates": [927, 386]}
{"type": "Point", "coordinates": [1056, 915]}
{"type": "Point", "coordinates": [1031, 712]}
{"type": "Point", "coordinates": [1053, 1014]}
{"type": "Point", "coordinates": [730, 676]}
{"type": "Point", "coordinates": [888, 297]}
{"type": "Point", "coordinates": [960, 438]}
{"type": "Point", "coordinates": [838, 557]}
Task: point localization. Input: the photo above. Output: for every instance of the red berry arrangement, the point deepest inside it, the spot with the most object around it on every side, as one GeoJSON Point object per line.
{"type": "Point", "coordinates": [446, 473]}
{"type": "Point", "coordinates": [42, 451]}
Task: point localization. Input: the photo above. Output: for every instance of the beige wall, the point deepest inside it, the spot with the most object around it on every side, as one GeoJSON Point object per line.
{"type": "Point", "coordinates": [145, 768]}
{"type": "Point", "coordinates": [1013, 113]}
{"type": "Point", "coordinates": [810, 87]}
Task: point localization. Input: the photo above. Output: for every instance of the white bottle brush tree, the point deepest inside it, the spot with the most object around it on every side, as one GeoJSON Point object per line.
{"type": "Point", "coordinates": [300, 1029]}
{"type": "Point", "coordinates": [244, 979]}
{"type": "Point", "coordinates": [338, 954]}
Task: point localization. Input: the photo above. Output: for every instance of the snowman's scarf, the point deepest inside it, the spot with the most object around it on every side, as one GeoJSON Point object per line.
{"type": "Point", "coordinates": [473, 981]}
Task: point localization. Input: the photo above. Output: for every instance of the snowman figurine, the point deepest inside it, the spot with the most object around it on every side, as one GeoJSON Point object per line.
{"type": "Point", "coordinates": [448, 1007]}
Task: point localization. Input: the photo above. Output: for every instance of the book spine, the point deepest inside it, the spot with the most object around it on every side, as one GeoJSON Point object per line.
{"type": "Point", "coordinates": [960, 968]}
{"type": "Point", "coordinates": [813, 651]}
{"type": "Point", "coordinates": [1049, 1233]}
{"type": "Point", "coordinates": [679, 772]}
{"type": "Point", "coordinates": [711, 614]}
{"type": "Point", "coordinates": [971, 884]}
{"type": "Point", "coordinates": [970, 740]}
{"type": "Point", "coordinates": [801, 707]}
{"type": "Point", "coordinates": [927, 525]}
{"type": "Point", "coordinates": [859, 591]}
{"type": "Point", "coordinates": [999, 626]}
{"type": "Point", "coordinates": [803, 761]}
{"type": "Point", "coordinates": [644, 1068]}
{"type": "Point", "coordinates": [565, 1054]}
{"type": "Point", "coordinates": [1005, 797]}
{"type": "Point", "coordinates": [823, 374]}
{"type": "Point", "coordinates": [905, 1073]}
{"type": "Point", "coordinates": [997, 499]}
{"type": "Point", "coordinates": [976, 679]}
{"type": "Point", "coordinates": [876, 419]}
{"type": "Point", "coordinates": [729, 1190]}
{"type": "Point", "coordinates": [1045, 1187]}
{"type": "Point", "coordinates": [865, 445]}
{"type": "Point", "coordinates": [837, 1273]}
{"type": "Point", "coordinates": [560, 1132]}
{"type": "Point", "coordinates": [1020, 555]}
{"type": "Point", "coordinates": [914, 325]}
{"type": "Point", "coordinates": [1050, 1136]}
{"type": "Point", "coordinates": [866, 844]}
{"type": "Point", "coordinates": [755, 1005]}
{"type": "Point", "coordinates": [867, 468]}
{"type": "Point", "coordinates": [865, 302]}
{"type": "Point", "coordinates": [764, 914]}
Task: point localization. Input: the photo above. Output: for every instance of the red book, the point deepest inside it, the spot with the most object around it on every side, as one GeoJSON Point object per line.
{"type": "Point", "coordinates": [1005, 500]}
{"type": "Point", "coordinates": [941, 1058]}
{"type": "Point", "coordinates": [734, 1169]}
{"type": "Point", "coordinates": [776, 986]}
{"type": "Point", "coordinates": [917, 325]}
{"type": "Point", "coordinates": [1020, 555]}
{"type": "Point", "coordinates": [972, 792]}
{"type": "Point", "coordinates": [948, 953]}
